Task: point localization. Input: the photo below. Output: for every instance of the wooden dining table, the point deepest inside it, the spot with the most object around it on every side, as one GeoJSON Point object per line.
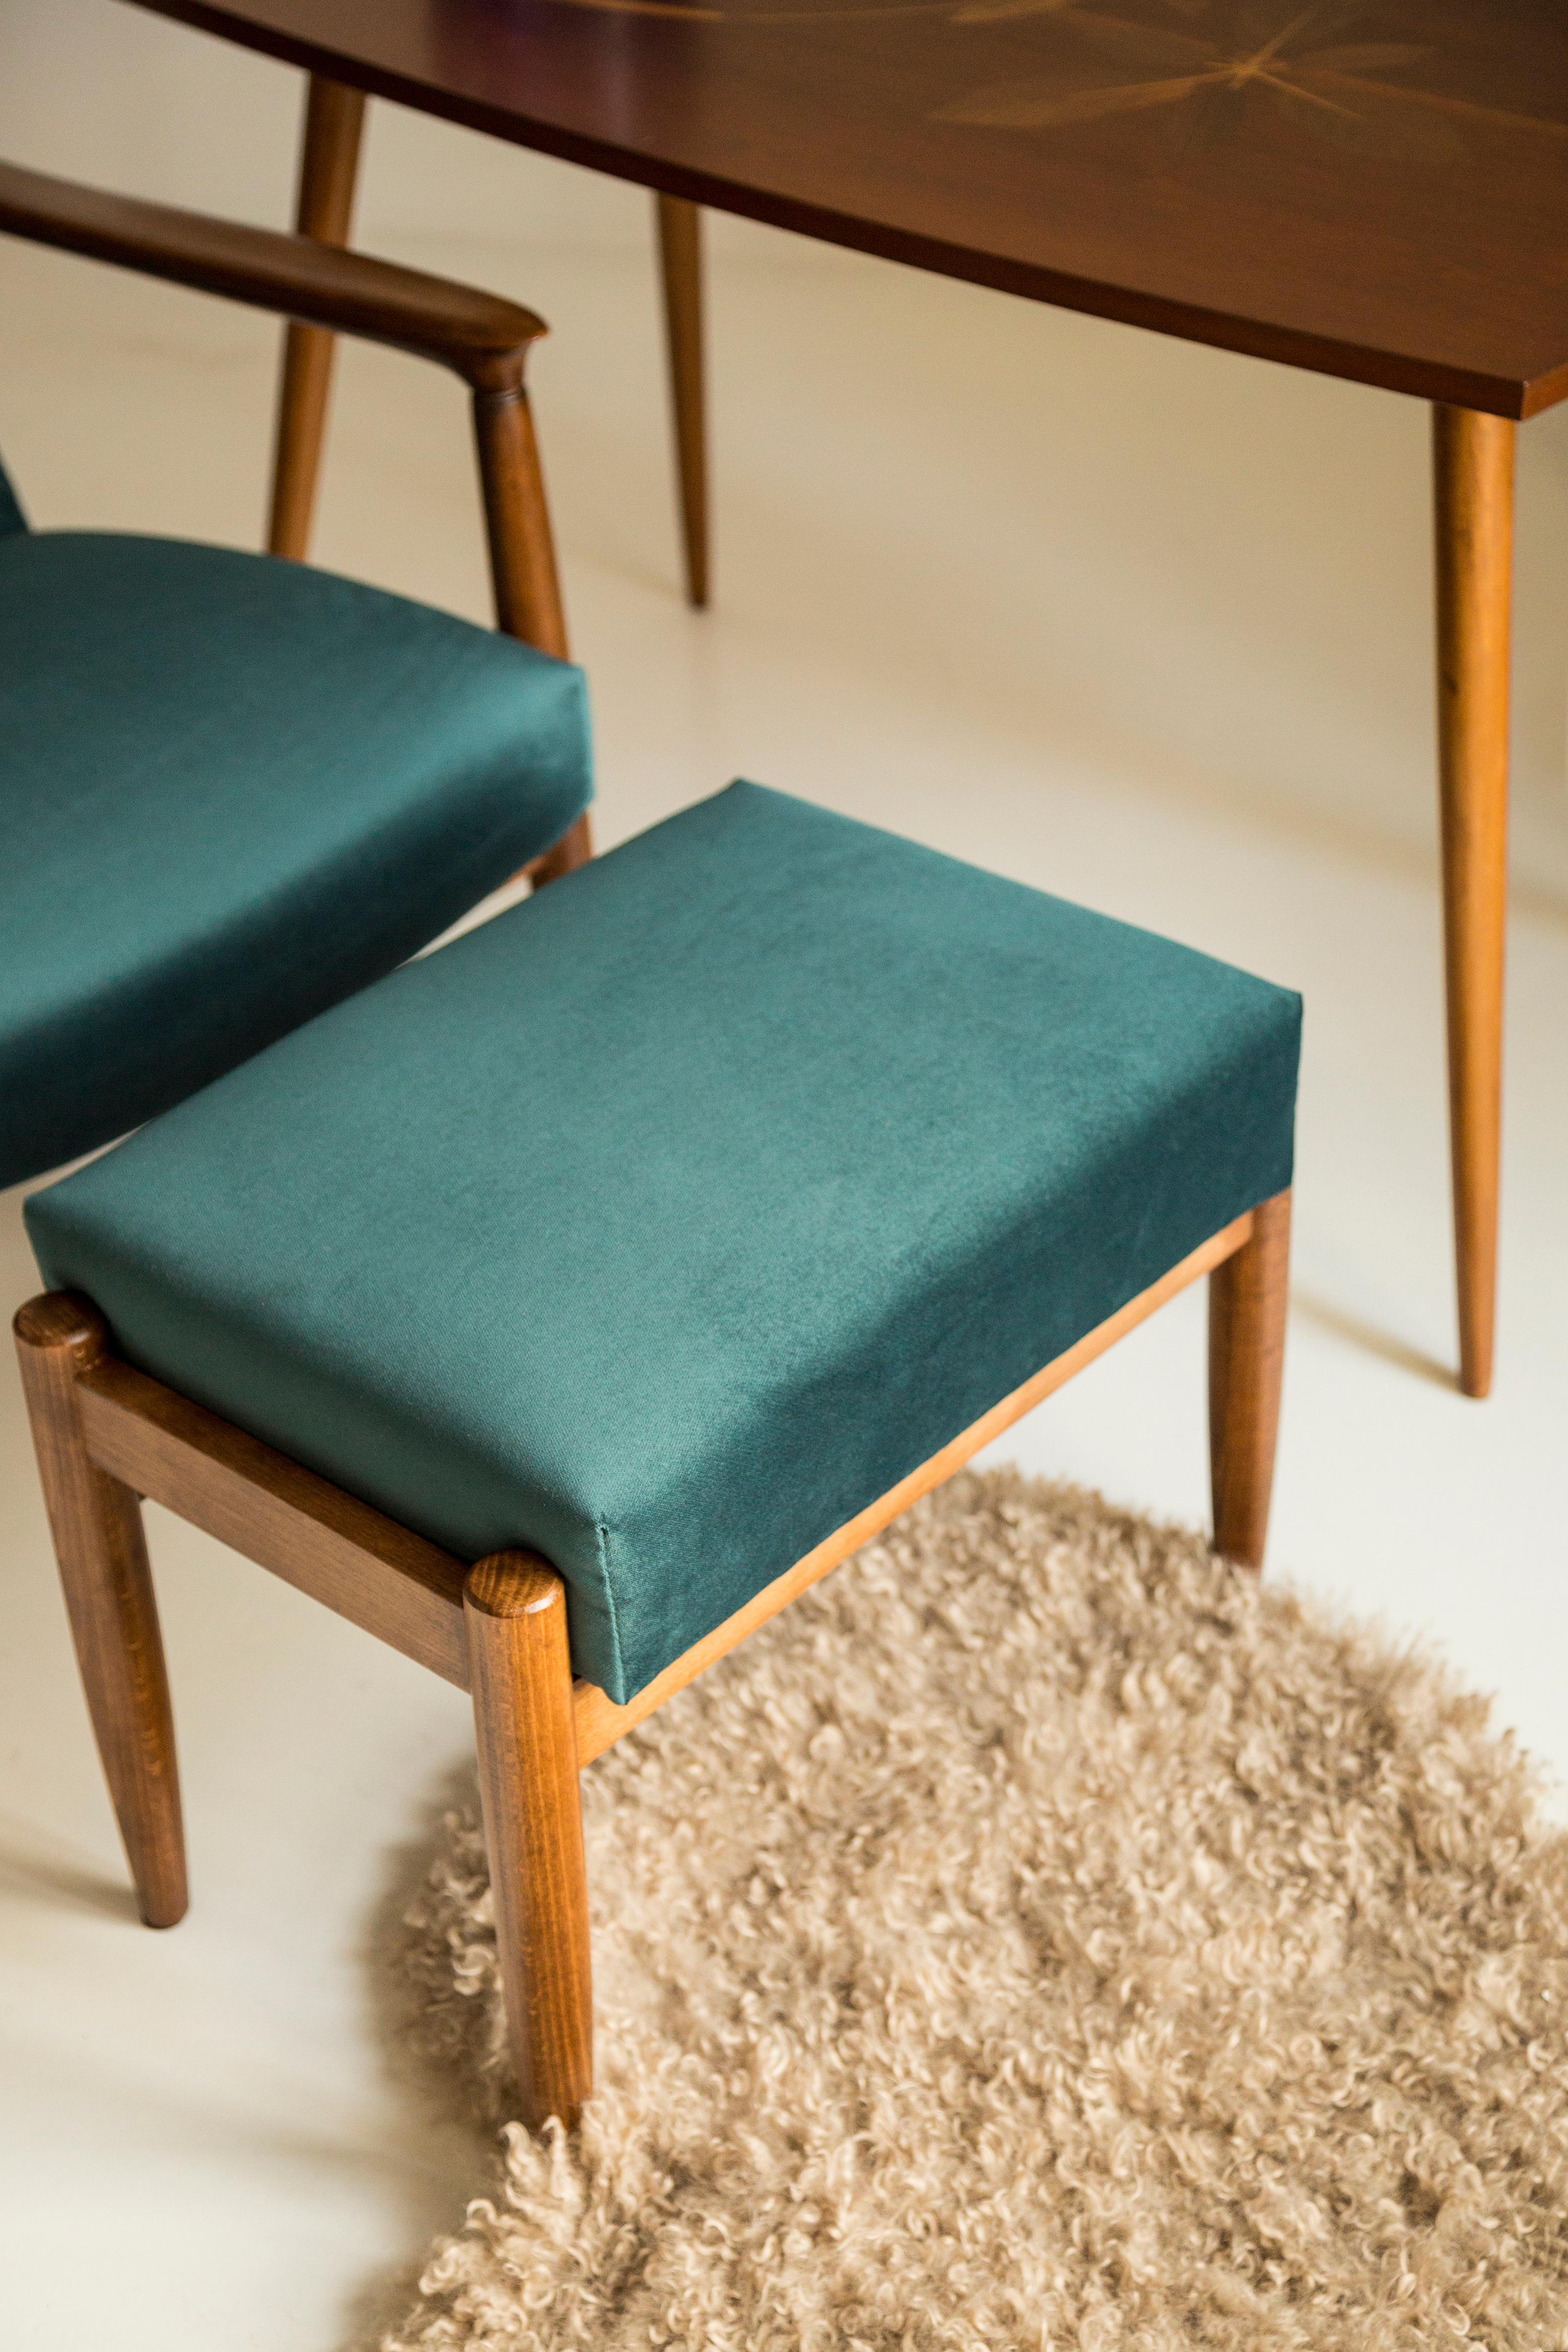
{"type": "Point", "coordinates": [1375, 189]}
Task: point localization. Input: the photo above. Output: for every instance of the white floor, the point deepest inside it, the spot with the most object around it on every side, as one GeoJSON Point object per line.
{"type": "Point", "coordinates": [1143, 624]}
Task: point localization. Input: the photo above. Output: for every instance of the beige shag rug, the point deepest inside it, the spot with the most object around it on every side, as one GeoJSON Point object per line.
{"type": "Point", "coordinates": [1042, 1935]}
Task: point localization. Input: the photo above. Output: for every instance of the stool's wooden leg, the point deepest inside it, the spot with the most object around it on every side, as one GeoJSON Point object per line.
{"type": "Point", "coordinates": [680, 260]}
{"type": "Point", "coordinates": [1247, 1298]}
{"type": "Point", "coordinates": [1473, 467]}
{"type": "Point", "coordinates": [96, 1525]}
{"type": "Point", "coordinates": [329, 162]}
{"type": "Point", "coordinates": [515, 1608]}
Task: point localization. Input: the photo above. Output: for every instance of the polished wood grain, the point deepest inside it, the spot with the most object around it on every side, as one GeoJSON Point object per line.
{"type": "Point", "coordinates": [329, 164]}
{"type": "Point", "coordinates": [96, 1521]}
{"type": "Point", "coordinates": [523, 574]}
{"type": "Point", "coordinates": [1473, 466]}
{"type": "Point", "coordinates": [1374, 192]}
{"type": "Point", "coordinates": [600, 1723]}
{"type": "Point", "coordinates": [1249, 1296]}
{"type": "Point", "coordinates": [679, 225]}
{"type": "Point", "coordinates": [516, 1608]}
{"type": "Point", "coordinates": [483, 338]}
{"type": "Point", "coordinates": [367, 1567]}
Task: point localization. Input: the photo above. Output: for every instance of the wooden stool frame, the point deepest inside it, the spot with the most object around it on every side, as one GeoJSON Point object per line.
{"type": "Point", "coordinates": [108, 1435]}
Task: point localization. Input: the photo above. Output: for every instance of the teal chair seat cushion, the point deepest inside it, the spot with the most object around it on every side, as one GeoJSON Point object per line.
{"type": "Point", "coordinates": [669, 1219]}
{"type": "Point", "coordinates": [12, 518]}
{"type": "Point", "coordinates": [232, 791]}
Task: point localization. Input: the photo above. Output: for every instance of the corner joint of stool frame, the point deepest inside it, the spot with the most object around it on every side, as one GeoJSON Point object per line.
{"type": "Point", "coordinates": [62, 1321]}
{"type": "Point", "coordinates": [513, 1584]}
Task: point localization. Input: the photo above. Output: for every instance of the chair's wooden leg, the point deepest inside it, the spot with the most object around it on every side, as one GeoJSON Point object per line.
{"type": "Point", "coordinates": [574, 848]}
{"type": "Point", "coordinates": [523, 575]}
{"type": "Point", "coordinates": [515, 1609]}
{"type": "Point", "coordinates": [517, 521]}
{"type": "Point", "coordinates": [681, 261]}
{"type": "Point", "coordinates": [1247, 1298]}
{"type": "Point", "coordinates": [97, 1527]}
{"type": "Point", "coordinates": [329, 163]}
{"type": "Point", "coordinates": [1473, 472]}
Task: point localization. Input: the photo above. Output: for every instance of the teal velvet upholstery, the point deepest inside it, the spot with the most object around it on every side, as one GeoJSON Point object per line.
{"type": "Point", "coordinates": [666, 1220]}
{"type": "Point", "coordinates": [12, 518]}
{"type": "Point", "coordinates": [232, 791]}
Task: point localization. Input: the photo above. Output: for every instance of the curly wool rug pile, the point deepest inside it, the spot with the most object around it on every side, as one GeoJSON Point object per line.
{"type": "Point", "coordinates": [1042, 1935]}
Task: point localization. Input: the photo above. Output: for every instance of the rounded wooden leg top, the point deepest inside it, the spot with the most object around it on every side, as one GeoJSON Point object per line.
{"type": "Point", "coordinates": [97, 1527]}
{"type": "Point", "coordinates": [520, 1669]}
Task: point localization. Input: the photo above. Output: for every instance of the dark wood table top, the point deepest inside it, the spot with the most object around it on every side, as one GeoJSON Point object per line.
{"type": "Point", "coordinates": [1374, 188]}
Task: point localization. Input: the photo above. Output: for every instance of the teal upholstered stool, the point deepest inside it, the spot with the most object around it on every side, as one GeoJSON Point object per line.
{"type": "Point", "coordinates": [233, 790]}
{"type": "Point", "coordinates": [653, 1243]}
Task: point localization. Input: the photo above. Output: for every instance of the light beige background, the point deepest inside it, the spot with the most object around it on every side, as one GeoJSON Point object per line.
{"type": "Point", "coordinates": [1146, 625]}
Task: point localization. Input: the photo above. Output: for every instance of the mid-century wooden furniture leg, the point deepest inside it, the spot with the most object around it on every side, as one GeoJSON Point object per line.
{"type": "Point", "coordinates": [1248, 1299]}
{"type": "Point", "coordinates": [1473, 472]}
{"type": "Point", "coordinates": [97, 1527]}
{"type": "Point", "coordinates": [329, 162]}
{"type": "Point", "coordinates": [515, 1606]}
{"type": "Point", "coordinates": [523, 574]}
{"type": "Point", "coordinates": [517, 521]}
{"type": "Point", "coordinates": [681, 259]}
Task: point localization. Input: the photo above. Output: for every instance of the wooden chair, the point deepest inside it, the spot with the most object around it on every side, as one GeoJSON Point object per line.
{"type": "Point", "coordinates": [563, 1307]}
{"type": "Point", "coordinates": [331, 138]}
{"type": "Point", "coordinates": [232, 791]}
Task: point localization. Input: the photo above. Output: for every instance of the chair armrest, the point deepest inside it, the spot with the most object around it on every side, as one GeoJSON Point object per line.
{"type": "Point", "coordinates": [483, 337]}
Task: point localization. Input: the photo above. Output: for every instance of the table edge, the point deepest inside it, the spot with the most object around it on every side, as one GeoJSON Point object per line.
{"type": "Point", "coordinates": [1510, 397]}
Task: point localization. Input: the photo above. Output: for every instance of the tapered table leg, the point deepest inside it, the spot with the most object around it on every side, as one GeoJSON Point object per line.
{"type": "Point", "coordinates": [681, 256]}
{"type": "Point", "coordinates": [1473, 470]}
{"type": "Point", "coordinates": [329, 163]}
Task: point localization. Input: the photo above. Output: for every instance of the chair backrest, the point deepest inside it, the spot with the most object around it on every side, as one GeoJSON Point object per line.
{"type": "Point", "coordinates": [12, 518]}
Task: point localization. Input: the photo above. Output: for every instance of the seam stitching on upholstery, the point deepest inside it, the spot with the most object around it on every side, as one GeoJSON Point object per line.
{"type": "Point", "coordinates": [602, 1537]}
